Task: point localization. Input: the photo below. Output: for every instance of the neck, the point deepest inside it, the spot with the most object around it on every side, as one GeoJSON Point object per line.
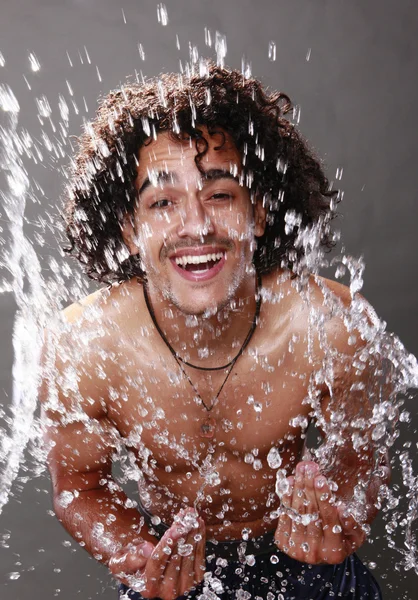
{"type": "Point", "coordinates": [210, 339]}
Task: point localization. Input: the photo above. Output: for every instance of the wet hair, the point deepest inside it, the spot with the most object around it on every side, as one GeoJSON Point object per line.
{"type": "Point", "coordinates": [278, 165]}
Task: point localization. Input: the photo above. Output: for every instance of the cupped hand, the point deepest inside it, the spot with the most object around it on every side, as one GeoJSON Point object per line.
{"type": "Point", "coordinates": [172, 567]}
{"type": "Point", "coordinates": [313, 526]}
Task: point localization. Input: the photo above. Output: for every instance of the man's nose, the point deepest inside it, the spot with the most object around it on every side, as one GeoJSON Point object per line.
{"type": "Point", "coordinates": [196, 221]}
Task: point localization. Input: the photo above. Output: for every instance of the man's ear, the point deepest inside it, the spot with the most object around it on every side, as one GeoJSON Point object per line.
{"type": "Point", "coordinates": [128, 233]}
{"type": "Point", "coordinates": [260, 214]}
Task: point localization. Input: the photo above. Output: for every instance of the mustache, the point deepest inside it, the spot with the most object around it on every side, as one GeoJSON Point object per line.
{"type": "Point", "coordinates": [170, 248]}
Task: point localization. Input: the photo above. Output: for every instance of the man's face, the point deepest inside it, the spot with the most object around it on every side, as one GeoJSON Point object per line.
{"type": "Point", "coordinates": [194, 233]}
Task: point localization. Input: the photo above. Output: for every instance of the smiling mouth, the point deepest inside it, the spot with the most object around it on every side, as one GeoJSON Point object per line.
{"type": "Point", "coordinates": [197, 264]}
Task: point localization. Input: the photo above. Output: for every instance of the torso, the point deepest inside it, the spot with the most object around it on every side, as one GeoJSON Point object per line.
{"type": "Point", "coordinates": [154, 409]}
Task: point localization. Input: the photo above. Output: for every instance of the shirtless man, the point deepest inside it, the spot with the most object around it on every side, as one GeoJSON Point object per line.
{"type": "Point", "coordinates": [203, 359]}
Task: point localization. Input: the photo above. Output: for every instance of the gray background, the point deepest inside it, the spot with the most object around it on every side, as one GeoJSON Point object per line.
{"type": "Point", "coordinates": [359, 97]}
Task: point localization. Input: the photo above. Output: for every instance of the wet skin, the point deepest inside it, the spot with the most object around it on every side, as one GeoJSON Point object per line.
{"type": "Point", "coordinates": [132, 390]}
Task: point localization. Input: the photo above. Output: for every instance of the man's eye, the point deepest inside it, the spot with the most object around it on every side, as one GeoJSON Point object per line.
{"type": "Point", "coordinates": [222, 196]}
{"type": "Point", "coordinates": [163, 203]}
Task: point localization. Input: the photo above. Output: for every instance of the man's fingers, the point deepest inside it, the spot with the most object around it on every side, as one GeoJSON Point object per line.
{"type": "Point", "coordinates": [284, 524]}
{"type": "Point", "coordinates": [314, 531]}
{"type": "Point", "coordinates": [200, 553]}
{"type": "Point", "coordinates": [169, 585]}
{"type": "Point", "coordinates": [156, 565]}
{"type": "Point", "coordinates": [298, 497]}
{"type": "Point", "coordinates": [298, 528]}
{"type": "Point", "coordinates": [132, 559]}
{"type": "Point", "coordinates": [187, 551]}
{"type": "Point", "coordinates": [334, 546]}
{"type": "Point", "coordinates": [351, 530]}
{"type": "Point", "coordinates": [325, 500]}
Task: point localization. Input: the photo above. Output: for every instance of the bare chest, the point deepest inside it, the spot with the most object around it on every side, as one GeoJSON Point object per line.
{"type": "Point", "coordinates": [162, 410]}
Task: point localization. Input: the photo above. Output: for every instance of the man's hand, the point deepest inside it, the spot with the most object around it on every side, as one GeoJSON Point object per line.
{"type": "Point", "coordinates": [313, 526]}
{"type": "Point", "coordinates": [170, 568]}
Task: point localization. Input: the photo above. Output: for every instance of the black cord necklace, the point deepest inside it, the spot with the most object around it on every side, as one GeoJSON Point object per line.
{"type": "Point", "coordinates": [207, 428]}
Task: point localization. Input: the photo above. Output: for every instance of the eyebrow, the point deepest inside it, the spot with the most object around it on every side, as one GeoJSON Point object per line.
{"type": "Point", "coordinates": [162, 177]}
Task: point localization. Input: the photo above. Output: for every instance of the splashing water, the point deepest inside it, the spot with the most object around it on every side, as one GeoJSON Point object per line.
{"type": "Point", "coordinates": [26, 284]}
{"type": "Point", "coordinates": [38, 301]}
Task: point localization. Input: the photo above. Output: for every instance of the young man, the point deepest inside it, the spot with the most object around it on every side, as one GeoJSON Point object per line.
{"type": "Point", "coordinates": [211, 353]}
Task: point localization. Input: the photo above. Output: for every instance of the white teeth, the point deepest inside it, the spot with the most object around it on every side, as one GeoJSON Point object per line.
{"type": "Point", "coordinates": [195, 260]}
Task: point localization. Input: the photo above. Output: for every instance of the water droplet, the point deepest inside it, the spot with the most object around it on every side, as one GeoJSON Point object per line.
{"type": "Point", "coordinates": [274, 459]}
{"type": "Point", "coordinates": [308, 54]}
{"type": "Point", "coordinates": [162, 14]}
{"type": "Point", "coordinates": [405, 416]}
{"type": "Point", "coordinates": [141, 51]}
{"type": "Point", "coordinates": [185, 549]}
{"type": "Point", "coordinates": [220, 48]}
{"type": "Point", "coordinates": [249, 458]}
{"type": "Point", "coordinates": [14, 575]}
{"type": "Point", "coordinates": [272, 51]}
{"type": "Point", "coordinates": [34, 62]}
{"type": "Point", "coordinates": [250, 560]}
{"type": "Point", "coordinates": [337, 529]}
{"type": "Point", "coordinates": [65, 498]}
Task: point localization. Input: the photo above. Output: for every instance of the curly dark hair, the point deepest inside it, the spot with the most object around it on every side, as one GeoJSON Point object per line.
{"type": "Point", "coordinates": [279, 166]}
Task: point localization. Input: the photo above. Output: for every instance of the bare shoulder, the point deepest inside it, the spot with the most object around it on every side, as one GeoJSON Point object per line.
{"type": "Point", "coordinates": [75, 355]}
{"type": "Point", "coordinates": [85, 308]}
{"type": "Point", "coordinates": [350, 320]}
{"type": "Point", "coordinates": [318, 304]}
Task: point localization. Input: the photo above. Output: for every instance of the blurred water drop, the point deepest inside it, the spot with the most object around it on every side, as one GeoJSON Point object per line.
{"type": "Point", "coordinates": [246, 68]}
{"type": "Point", "coordinates": [208, 37]}
{"type": "Point", "coordinates": [272, 51]}
{"type": "Point", "coordinates": [87, 55]}
{"type": "Point", "coordinates": [44, 109]}
{"type": "Point", "coordinates": [34, 62]}
{"type": "Point", "coordinates": [2, 60]}
{"type": "Point", "coordinates": [162, 14]}
{"type": "Point", "coordinates": [308, 54]}
{"type": "Point", "coordinates": [220, 48]}
{"type": "Point", "coordinates": [141, 51]}
{"type": "Point", "coordinates": [27, 83]}
{"type": "Point", "coordinates": [8, 101]}
{"type": "Point", "coordinates": [14, 575]}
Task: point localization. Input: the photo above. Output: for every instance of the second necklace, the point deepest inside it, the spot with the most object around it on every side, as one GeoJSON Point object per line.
{"type": "Point", "coordinates": [208, 426]}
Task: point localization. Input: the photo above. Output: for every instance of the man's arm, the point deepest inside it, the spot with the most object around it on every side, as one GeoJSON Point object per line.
{"type": "Point", "coordinates": [332, 500]}
{"type": "Point", "coordinates": [81, 441]}
{"type": "Point", "coordinates": [354, 458]}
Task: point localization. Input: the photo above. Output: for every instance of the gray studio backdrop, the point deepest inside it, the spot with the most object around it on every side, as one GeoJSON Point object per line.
{"type": "Point", "coordinates": [351, 65]}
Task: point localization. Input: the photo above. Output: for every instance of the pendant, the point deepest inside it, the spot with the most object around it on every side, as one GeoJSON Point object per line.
{"type": "Point", "coordinates": [208, 428]}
